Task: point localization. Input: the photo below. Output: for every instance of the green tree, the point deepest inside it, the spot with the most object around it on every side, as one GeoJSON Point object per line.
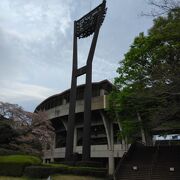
{"type": "Point", "coordinates": [148, 85]}
{"type": "Point", "coordinates": [7, 133]}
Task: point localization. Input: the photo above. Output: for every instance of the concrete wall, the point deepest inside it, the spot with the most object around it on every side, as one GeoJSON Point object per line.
{"type": "Point", "coordinates": [97, 151]}
{"type": "Point", "coordinates": [63, 110]}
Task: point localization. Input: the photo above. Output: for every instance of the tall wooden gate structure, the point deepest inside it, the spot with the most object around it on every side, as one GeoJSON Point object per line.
{"type": "Point", "coordinates": [84, 27]}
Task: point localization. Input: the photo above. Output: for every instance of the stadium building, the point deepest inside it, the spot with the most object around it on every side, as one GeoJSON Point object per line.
{"type": "Point", "coordinates": [105, 146]}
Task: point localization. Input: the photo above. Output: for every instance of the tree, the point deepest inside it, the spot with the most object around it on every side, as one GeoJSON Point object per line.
{"type": "Point", "coordinates": [15, 114]}
{"type": "Point", "coordinates": [34, 130]}
{"type": "Point", "coordinates": [7, 133]}
{"type": "Point", "coordinates": [148, 84]}
{"type": "Point", "coordinates": [162, 7]}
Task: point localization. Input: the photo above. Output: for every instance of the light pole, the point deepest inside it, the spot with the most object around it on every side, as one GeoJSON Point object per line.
{"type": "Point", "coordinates": [84, 27]}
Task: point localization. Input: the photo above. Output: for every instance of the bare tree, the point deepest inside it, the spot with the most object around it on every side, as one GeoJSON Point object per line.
{"type": "Point", "coordinates": [161, 7]}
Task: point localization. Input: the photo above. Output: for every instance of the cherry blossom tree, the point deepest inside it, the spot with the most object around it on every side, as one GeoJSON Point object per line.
{"type": "Point", "coordinates": [34, 129]}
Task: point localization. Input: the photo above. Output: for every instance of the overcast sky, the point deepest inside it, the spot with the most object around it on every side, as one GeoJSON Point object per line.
{"type": "Point", "coordinates": [36, 44]}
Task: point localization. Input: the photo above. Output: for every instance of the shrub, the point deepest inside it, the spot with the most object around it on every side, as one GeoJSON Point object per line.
{"type": "Point", "coordinates": [11, 169]}
{"type": "Point", "coordinates": [40, 171]}
{"type": "Point", "coordinates": [4, 151]}
{"type": "Point", "coordinates": [46, 170]}
{"type": "Point", "coordinates": [13, 165]}
{"type": "Point", "coordinates": [90, 164]}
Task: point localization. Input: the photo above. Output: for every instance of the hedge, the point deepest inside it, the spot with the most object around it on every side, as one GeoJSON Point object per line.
{"type": "Point", "coordinates": [5, 152]}
{"type": "Point", "coordinates": [47, 170]}
{"type": "Point", "coordinates": [90, 164]}
{"type": "Point", "coordinates": [13, 165]}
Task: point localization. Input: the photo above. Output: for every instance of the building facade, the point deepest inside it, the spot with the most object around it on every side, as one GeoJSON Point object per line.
{"type": "Point", "coordinates": [105, 146]}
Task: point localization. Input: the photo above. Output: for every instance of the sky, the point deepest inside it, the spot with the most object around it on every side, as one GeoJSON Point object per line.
{"type": "Point", "coordinates": [36, 44]}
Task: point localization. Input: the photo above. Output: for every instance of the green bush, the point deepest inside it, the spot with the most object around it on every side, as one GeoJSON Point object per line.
{"type": "Point", "coordinates": [46, 170]}
{"type": "Point", "coordinates": [4, 151]}
{"type": "Point", "coordinates": [40, 171]}
{"type": "Point", "coordinates": [90, 164]}
{"type": "Point", "coordinates": [13, 165]}
{"type": "Point", "coordinates": [11, 169]}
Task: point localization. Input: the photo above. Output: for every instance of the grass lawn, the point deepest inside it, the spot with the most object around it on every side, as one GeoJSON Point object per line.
{"type": "Point", "coordinates": [20, 159]}
{"type": "Point", "coordinates": [71, 177]}
{"type": "Point", "coordinates": [17, 178]}
{"type": "Point", "coordinates": [55, 177]}
{"type": "Point", "coordinates": [12, 178]}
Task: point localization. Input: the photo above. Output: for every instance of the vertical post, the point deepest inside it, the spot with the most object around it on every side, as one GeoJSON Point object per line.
{"type": "Point", "coordinates": [111, 151]}
{"type": "Point", "coordinates": [87, 115]}
{"type": "Point", "coordinates": [75, 140]}
{"type": "Point", "coordinates": [86, 152]}
{"type": "Point", "coordinates": [72, 104]}
{"type": "Point", "coordinates": [53, 146]}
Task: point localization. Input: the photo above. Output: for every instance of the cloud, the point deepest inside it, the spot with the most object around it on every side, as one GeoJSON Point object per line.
{"type": "Point", "coordinates": [32, 36]}
{"type": "Point", "coordinates": [20, 91]}
{"type": "Point", "coordinates": [36, 45]}
{"type": "Point", "coordinates": [35, 19]}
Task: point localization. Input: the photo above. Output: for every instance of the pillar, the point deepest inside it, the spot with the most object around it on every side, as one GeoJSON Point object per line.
{"type": "Point", "coordinates": [53, 145]}
{"type": "Point", "coordinates": [110, 138]}
{"type": "Point", "coordinates": [44, 160]}
{"type": "Point", "coordinates": [72, 103]}
{"type": "Point", "coordinates": [111, 162]}
{"type": "Point", "coordinates": [111, 150]}
{"type": "Point", "coordinates": [75, 140]}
